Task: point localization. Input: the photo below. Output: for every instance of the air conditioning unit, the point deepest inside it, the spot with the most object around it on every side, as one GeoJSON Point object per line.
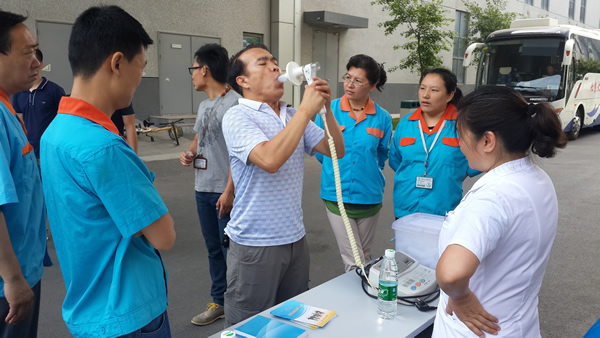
{"type": "Point", "coordinates": [539, 22]}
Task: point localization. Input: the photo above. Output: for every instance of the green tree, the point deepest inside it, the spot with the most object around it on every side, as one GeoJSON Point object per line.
{"type": "Point", "coordinates": [423, 22]}
{"type": "Point", "coordinates": [484, 21]}
{"type": "Point", "coordinates": [584, 67]}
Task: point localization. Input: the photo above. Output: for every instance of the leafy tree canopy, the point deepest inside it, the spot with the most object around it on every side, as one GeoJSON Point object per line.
{"type": "Point", "coordinates": [484, 21]}
{"type": "Point", "coordinates": [422, 24]}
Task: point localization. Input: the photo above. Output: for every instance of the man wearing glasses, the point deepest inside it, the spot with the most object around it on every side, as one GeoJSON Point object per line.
{"type": "Point", "coordinates": [208, 155]}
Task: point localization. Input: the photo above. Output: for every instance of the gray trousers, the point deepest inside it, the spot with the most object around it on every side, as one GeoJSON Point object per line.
{"type": "Point", "coordinates": [29, 326]}
{"type": "Point", "coordinates": [261, 277]}
{"type": "Point", "coordinates": [364, 234]}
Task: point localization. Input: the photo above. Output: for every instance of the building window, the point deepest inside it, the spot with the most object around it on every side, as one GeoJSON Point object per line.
{"type": "Point", "coordinates": [582, 11]}
{"type": "Point", "coordinates": [460, 45]}
{"type": "Point", "coordinates": [545, 4]}
{"type": "Point", "coordinates": [252, 38]}
{"type": "Point", "coordinates": [529, 2]}
{"type": "Point", "coordinates": [571, 9]}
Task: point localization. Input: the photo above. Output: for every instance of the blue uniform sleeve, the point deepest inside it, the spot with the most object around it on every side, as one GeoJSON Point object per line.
{"type": "Point", "coordinates": [8, 191]}
{"type": "Point", "coordinates": [124, 185]}
{"type": "Point", "coordinates": [383, 149]}
{"type": "Point", "coordinates": [395, 155]}
{"type": "Point", "coordinates": [319, 123]}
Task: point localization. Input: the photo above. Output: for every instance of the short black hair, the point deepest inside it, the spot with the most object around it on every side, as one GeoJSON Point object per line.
{"type": "Point", "coordinates": [450, 82]}
{"type": "Point", "coordinates": [237, 67]}
{"type": "Point", "coordinates": [8, 21]}
{"type": "Point", "coordinates": [375, 71]}
{"type": "Point", "coordinates": [39, 55]}
{"type": "Point", "coordinates": [101, 31]}
{"type": "Point", "coordinates": [216, 58]}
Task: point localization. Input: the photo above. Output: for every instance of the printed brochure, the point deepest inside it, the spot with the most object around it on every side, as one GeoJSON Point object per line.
{"type": "Point", "coordinates": [306, 315]}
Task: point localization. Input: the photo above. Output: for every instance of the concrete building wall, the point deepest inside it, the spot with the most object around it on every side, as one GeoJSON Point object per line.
{"type": "Point", "coordinates": [278, 21]}
{"type": "Point", "coordinates": [224, 19]}
{"type": "Point", "coordinates": [402, 84]}
{"type": "Point", "coordinates": [283, 26]}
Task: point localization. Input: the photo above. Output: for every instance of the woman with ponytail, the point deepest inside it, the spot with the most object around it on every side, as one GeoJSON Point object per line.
{"type": "Point", "coordinates": [367, 130]}
{"type": "Point", "coordinates": [495, 245]}
{"type": "Point", "coordinates": [429, 166]}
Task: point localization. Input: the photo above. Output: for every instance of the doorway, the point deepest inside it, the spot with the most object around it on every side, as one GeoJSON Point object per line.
{"type": "Point", "coordinates": [326, 52]}
{"type": "Point", "coordinates": [53, 39]}
{"type": "Point", "coordinates": [175, 55]}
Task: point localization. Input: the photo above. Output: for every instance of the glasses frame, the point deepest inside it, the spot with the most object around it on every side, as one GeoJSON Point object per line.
{"type": "Point", "coordinates": [191, 69]}
{"type": "Point", "coordinates": [348, 79]}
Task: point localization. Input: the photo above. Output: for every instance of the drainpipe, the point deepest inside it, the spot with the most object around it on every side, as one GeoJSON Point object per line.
{"type": "Point", "coordinates": [297, 44]}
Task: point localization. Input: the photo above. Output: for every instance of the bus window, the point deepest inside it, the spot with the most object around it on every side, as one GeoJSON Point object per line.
{"type": "Point", "coordinates": [531, 66]}
{"type": "Point", "coordinates": [586, 55]}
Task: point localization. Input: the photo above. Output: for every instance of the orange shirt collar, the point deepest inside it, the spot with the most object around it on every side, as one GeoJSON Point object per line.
{"type": "Point", "coordinates": [6, 101]}
{"type": "Point", "coordinates": [369, 108]}
{"type": "Point", "coordinates": [449, 114]}
{"type": "Point", "coordinates": [77, 107]}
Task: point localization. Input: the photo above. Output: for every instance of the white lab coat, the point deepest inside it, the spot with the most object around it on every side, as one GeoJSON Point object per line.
{"type": "Point", "coordinates": [508, 220]}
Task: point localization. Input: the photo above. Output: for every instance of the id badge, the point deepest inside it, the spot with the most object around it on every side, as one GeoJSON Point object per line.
{"type": "Point", "coordinates": [200, 162]}
{"type": "Point", "coordinates": [424, 182]}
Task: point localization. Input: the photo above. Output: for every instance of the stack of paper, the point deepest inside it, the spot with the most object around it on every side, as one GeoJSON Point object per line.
{"type": "Point", "coordinates": [306, 315]}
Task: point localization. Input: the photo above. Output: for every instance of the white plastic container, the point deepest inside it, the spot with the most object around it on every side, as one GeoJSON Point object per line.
{"type": "Point", "coordinates": [417, 235]}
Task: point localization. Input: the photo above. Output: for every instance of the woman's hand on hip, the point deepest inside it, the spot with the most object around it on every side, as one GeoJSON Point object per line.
{"type": "Point", "coordinates": [469, 310]}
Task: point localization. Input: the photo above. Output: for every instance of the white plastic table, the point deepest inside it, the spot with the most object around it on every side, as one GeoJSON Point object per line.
{"type": "Point", "coordinates": [356, 312]}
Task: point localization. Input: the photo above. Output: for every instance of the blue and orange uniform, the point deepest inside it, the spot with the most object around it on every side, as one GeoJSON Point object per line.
{"type": "Point", "coordinates": [22, 207]}
{"type": "Point", "coordinates": [367, 142]}
{"type": "Point", "coordinates": [446, 165]}
{"type": "Point", "coordinates": [100, 195]}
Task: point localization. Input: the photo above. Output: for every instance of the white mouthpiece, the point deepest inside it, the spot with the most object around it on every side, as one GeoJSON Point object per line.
{"type": "Point", "coordinates": [296, 73]}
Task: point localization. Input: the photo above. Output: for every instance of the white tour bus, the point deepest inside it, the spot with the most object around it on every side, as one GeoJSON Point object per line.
{"type": "Point", "coordinates": [546, 62]}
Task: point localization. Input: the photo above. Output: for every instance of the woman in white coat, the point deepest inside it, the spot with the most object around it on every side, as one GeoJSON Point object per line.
{"type": "Point", "coordinates": [495, 245]}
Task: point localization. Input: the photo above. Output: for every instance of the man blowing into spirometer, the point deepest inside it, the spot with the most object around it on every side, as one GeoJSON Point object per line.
{"type": "Point", "coordinates": [268, 260]}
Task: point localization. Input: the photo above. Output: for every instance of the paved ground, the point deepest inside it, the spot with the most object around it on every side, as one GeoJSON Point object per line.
{"type": "Point", "coordinates": [569, 300]}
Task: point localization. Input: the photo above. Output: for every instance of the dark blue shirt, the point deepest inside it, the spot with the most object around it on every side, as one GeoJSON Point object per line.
{"type": "Point", "coordinates": [117, 118]}
{"type": "Point", "coordinates": [39, 108]}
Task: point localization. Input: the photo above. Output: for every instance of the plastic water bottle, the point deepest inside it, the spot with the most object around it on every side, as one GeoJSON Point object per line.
{"type": "Point", "coordinates": [388, 286]}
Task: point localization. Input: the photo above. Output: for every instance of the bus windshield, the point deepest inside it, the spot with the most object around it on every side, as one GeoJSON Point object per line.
{"type": "Point", "coordinates": [531, 66]}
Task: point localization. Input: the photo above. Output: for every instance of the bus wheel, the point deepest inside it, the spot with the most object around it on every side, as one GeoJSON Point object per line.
{"type": "Point", "coordinates": [577, 125]}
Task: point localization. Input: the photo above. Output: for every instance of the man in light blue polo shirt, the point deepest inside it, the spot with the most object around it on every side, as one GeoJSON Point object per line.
{"type": "Point", "coordinates": [107, 219]}
{"type": "Point", "coordinates": [268, 260]}
{"type": "Point", "coordinates": [22, 212]}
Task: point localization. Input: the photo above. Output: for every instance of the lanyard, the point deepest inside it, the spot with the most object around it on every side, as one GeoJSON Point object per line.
{"type": "Point", "coordinates": [432, 144]}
